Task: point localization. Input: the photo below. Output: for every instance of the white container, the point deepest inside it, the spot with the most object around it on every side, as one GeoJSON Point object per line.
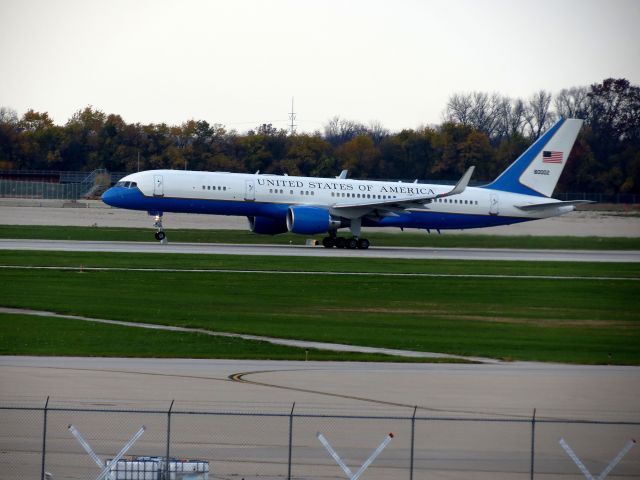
{"type": "Point", "coordinates": [153, 468]}
{"type": "Point", "coordinates": [188, 470]}
{"type": "Point", "coordinates": [138, 469]}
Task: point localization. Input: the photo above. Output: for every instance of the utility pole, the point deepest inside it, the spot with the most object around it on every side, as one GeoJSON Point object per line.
{"type": "Point", "coordinates": [292, 117]}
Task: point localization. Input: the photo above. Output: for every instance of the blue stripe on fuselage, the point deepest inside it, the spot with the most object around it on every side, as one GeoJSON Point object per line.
{"type": "Point", "coordinates": [442, 221]}
{"type": "Point", "coordinates": [134, 199]}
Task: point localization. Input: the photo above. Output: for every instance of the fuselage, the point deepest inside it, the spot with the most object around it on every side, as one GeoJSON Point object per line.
{"type": "Point", "coordinates": [254, 195]}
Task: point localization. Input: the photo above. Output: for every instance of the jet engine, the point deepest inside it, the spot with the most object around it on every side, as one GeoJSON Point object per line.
{"type": "Point", "coordinates": [311, 220]}
{"type": "Point", "coordinates": [267, 225]}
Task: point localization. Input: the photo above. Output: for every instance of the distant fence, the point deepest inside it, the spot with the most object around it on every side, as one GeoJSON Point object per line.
{"type": "Point", "coordinates": [55, 185]}
{"type": "Point", "coordinates": [287, 444]}
{"type": "Point", "coordinates": [55, 176]}
{"type": "Point", "coordinates": [41, 190]}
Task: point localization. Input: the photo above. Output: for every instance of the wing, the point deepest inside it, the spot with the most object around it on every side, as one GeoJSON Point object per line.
{"type": "Point", "coordinates": [395, 206]}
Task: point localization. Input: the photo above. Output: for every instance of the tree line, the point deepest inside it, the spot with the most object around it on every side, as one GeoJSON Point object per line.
{"type": "Point", "coordinates": [478, 128]}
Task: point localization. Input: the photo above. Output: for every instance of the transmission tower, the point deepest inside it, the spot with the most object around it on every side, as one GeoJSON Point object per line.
{"type": "Point", "coordinates": [292, 117]}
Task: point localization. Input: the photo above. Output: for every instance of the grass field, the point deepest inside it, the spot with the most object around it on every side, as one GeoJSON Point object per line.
{"type": "Point", "coordinates": [407, 238]}
{"type": "Point", "coordinates": [31, 335]}
{"type": "Point", "coordinates": [577, 320]}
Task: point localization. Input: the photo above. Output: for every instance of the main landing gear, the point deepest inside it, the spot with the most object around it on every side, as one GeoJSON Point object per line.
{"type": "Point", "coordinates": [160, 235]}
{"type": "Point", "coordinates": [350, 243]}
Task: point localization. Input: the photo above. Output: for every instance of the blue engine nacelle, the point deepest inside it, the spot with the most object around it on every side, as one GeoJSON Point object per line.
{"type": "Point", "coordinates": [267, 225]}
{"type": "Point", "coordinates": [311, 220]}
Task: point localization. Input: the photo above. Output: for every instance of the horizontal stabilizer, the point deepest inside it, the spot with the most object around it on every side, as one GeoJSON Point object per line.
{"type": "Point", "coordinates": [545, 206]}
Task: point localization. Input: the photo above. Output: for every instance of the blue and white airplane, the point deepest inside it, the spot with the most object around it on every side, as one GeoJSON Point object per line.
{"type": "Point", "coordinates": [309, 206]}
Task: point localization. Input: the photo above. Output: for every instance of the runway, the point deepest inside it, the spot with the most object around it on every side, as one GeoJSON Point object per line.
{"type": "Point", "coordinates": [304, 251]}
{"type": "Point", "coordinates": [509, 388]}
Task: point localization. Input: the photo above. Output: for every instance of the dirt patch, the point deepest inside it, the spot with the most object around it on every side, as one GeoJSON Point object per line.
{"type": "Point", "coordinates": [540, 322]}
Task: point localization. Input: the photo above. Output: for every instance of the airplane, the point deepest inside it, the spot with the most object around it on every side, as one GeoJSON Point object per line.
{"type": "Point", "coordinates": [277, 204]}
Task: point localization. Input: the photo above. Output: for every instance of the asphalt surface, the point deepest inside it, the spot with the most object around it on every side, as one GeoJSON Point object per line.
{"type": "Point", "coordinates": [473, 422]}
{"type": "Point", "coordinates": [496, 390]}
{"type": "Point", "coordinates": [294, 250]}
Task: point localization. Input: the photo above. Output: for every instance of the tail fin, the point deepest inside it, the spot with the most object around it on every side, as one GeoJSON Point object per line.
{"type": "Point", "coordinates": [537, 170]}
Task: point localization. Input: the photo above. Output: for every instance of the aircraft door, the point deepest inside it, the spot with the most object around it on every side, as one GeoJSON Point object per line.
{"type": "Point", "coordinates": [494, 204]}
{"type": "Point", "coordinates": [249, 190]}
{"type": "Point", "coordinates": [158, 186]}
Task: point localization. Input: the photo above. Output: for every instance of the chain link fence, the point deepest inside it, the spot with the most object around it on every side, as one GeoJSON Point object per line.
{"type": "Point", "coordinates": [55, 185]}
{"type": "Point", "coordinates": [38, 442]}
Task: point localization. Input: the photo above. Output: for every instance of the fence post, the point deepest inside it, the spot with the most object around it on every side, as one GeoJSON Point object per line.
{"type": "Point", "coordinates": [290, 441]}
{"type": "Point", "coordinates": [533, 442]}
{"type": "Point", "coordinates": [44, 438]}
{"type": "Point", "coordinates": [413, 439]}
{"type": "Point", "coordinates": [166, 463]}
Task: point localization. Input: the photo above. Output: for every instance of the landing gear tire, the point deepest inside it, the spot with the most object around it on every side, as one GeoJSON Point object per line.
{"type": "Point", "coordinates": [160, 236]}
{"type": "Point", "coordinates": [328, 242]}
{"type": "Point", "coordinates": [340, 242]}
{"type": "Point", "coordinates": [351, 243]}
{"type": "Point", "coordinates": [363, 243]}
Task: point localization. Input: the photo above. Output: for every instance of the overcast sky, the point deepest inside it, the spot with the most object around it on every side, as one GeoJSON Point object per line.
{"type": "Point", "coordinates": [239, 62]}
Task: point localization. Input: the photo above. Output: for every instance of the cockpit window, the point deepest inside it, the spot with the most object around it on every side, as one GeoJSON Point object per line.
{"type": "Point", "coordinates": [126, 184]}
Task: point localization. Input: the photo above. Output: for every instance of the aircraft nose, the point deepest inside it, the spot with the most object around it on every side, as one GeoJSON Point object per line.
{"type": "Point", "coordinates": [112, 197]}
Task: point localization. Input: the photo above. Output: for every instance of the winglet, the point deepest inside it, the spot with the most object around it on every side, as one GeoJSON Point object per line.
{"type": "Point", "coordinates": [461, 185]}
{"type": "Point", "coordinates": [343, 174]}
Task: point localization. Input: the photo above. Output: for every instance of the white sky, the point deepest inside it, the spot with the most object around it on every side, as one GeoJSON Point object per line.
{"type": "Point", "coordinates": [239, 62]}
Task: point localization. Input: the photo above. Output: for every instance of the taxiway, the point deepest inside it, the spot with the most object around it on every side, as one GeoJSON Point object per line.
{"type": "Point", "coordinates": [295, 250]}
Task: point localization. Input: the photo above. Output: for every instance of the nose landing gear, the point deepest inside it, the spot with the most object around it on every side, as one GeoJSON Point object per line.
{"type": "Point", "coordinates": [160, 235]}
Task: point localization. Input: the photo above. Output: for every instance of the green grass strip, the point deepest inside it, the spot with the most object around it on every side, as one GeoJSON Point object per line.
{"type": "Point", "coordinates": [578, 321]}
{"type": "Point", "coordinates": [33, 335]}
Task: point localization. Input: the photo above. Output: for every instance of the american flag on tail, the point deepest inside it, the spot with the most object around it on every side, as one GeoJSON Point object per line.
{"type": "Point", "coordinates": [551, 157]}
